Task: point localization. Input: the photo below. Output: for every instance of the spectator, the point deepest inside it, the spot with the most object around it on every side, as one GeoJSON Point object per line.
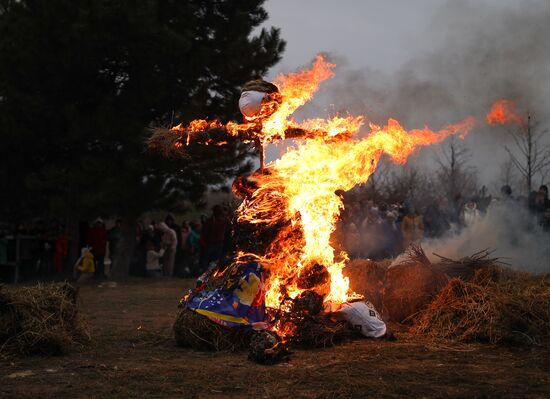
{"type": "Point", "coordinates": [506, 192]}
{"type": "Point", "coordinates": [353, 240]}
{"type": "Point", "coordinates": [412, 228]}
{"type": "Point", "coordinates": [193, 244]}
{"type": "Point", "coordinates": [389, 235]}
{"type": "Point", "coordinates": [84, 268]}
{"type": "Point", "coordinates": [436, 221]}
{"type": "Point", "coordinates": [61, 250]}
{"type": "Point", "coordinates": [543, 190]}
{"type": "Point", "coordinates": [113, 238]}
{"type": "Point", "coordinates": [97, 240]}
{"type": "Point", "coordinates": [178, 260]}
{"type": "Point", "coordinates": [213, 237]}
{"type": "Point", "coordinates": [470, 214]}
{"type": "Point", "coordinates": [540, 200]}
{"type": "Point", "coordinates": [152, 264]}
{"type": "Point", "coordinates": [545, 222]}
{"type": "Point", "coordinates": [170, 243]}
{"type": "Point", "coordinates": [184, 248]}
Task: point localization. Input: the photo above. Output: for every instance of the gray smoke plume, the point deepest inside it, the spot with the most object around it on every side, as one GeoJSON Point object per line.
{"type": "Point", "coordinates": [483, 53]}
{"type": "Point", "coordinates": [508, 229]}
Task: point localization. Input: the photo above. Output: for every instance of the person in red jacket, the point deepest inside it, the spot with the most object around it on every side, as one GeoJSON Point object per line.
{"type": "Point", "coordinates": [61, 250]}
{"type": "Point", "coordinates": [213, 237]}
{"type": "Point", "coordinates": [97, 240]}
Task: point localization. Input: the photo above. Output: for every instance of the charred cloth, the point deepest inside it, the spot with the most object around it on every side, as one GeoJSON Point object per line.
{"type": "Point", "coordinates": [41, 319]}
{"type": "Point", "coordinates": [266, 347]}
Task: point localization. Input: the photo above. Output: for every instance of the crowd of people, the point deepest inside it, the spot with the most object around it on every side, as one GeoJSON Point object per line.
{"type": "Point", "coordinates": [185, 249]}
{"type": "Point", "coordinates": [166, 248]}
{"type": "Point", "coordinates": [378, 230]}
{"type": "Point", "coordinates": [189, 247]}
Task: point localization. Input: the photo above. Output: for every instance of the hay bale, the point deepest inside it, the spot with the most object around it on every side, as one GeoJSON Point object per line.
{"type": "Point", "coordinates": [400, 290]}
{"type": "Point", "coordinates": [195, 331]}
{"type": "Point", "coordinates": [366, 277]}
{"type": "Point", "coordinates": [41, 319]}
{"type": "Point", "coordinates": [409, 287]}
{"type": "Point", "coordinates": [321, 331]}
{"type": "Point", "coordinates": [498, 306]}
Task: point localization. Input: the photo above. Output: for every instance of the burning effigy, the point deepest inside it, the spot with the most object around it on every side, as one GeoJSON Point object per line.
{"type": "Point", "coordinates": [287, 278]}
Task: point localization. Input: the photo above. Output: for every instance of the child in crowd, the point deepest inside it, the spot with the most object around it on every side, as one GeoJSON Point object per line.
{"type": "Point", "coordinates": [84, 267]}
{"type": "Point", "coordinates": [153, 267]}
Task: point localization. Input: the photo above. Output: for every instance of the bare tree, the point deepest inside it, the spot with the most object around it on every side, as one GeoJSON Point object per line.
{"type": "Point", "coordinates": [531, 157]}
{"type": "Point", "coordinates": [455, 177]}
{"type": "Point", "coordinates": [507, 175]}
{"type": "Point", "coordinates": [406, 182]}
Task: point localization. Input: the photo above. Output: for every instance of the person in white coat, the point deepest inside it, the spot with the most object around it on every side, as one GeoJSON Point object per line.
{"type": "Point", "coordinates": [470, 214]}
{"type": "Point", "coordinates": [169, 243]}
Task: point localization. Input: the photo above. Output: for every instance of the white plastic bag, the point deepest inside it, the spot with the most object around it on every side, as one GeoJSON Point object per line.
{"type": "Point", "coordinates": [364, 318]}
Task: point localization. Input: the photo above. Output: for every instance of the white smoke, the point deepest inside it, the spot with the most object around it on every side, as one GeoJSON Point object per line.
{"type": "Point", "coordinates": [508, 229]}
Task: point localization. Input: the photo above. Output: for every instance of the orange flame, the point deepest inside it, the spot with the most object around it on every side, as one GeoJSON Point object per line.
{"type": "Point", "coordinates": [295, 89]}
{"type": "Point", "coordinates": [503, 112]}
{"type": "Point", "coordinates": [310, 175]}
{"type": "Point", "coordinates": [299, 192]}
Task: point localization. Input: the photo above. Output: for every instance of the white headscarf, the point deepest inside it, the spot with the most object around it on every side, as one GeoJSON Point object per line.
{"type": "Point", "coordinates": [251, 102]}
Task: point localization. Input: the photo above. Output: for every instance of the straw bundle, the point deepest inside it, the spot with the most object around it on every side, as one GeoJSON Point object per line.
{"type": "Point", "coordinates": [41, 319]}
{"type": "Point", "coordinates": [498, 306]}
{"type": "Point", "coordinates": [466, 267]}
{"type": "Point", "coordinates": [195, 331]}
{"type": "Point", "coordinates": [321, 331]}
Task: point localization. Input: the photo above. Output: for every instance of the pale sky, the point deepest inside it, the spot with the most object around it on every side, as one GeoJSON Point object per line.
{"type": "Point", "coordinates": [366, 33]}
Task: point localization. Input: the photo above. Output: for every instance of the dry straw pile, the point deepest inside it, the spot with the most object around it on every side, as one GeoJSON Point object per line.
{"type": "Point", "coordinates": [497, 305]}
{"type": "Point", "coordinates": [195, 331]}
{"type": "Point", "coordinates": [41, 319]}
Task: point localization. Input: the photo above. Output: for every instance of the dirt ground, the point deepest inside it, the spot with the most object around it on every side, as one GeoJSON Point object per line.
{"type": "Point", "coordinates": [134, 355]}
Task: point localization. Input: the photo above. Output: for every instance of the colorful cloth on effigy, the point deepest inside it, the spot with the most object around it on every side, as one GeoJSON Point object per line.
{"type": "Point", "coordinates": [240, 303]}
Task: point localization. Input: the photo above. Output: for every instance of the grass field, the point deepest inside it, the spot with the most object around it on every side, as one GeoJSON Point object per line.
{"type": "Point", "coordinates": [133, 354]}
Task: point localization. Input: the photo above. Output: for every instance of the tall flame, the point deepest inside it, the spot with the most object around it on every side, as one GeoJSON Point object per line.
{"type": "Point", "coordinates": [299, 192]}
{"type": "Point", "coordinates": [314, 171]}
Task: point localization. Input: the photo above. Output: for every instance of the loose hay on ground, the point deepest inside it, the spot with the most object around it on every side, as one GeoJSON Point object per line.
{"type": "Point", "coordinates": [497, 305]}
{"type": "Point", "coordinates": [41, 319]}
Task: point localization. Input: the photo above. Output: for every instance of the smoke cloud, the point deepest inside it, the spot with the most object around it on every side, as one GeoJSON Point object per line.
{"type": "Point", "coordinates": [483, 53]}
{"type": "Point", "coordinates": [508, 229]}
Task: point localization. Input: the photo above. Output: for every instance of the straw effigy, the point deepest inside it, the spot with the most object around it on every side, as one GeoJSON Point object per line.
{"type": "Point", "coordinates": [41, 319]}
{"type": "Point", "coordinates": [497, 305]}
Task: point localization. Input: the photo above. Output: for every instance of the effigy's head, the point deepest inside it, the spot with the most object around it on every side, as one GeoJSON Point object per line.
{"type": "Point", "coordinates": [259, 99]}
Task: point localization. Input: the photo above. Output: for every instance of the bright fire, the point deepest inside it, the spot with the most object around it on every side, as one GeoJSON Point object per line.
{"type": "Point", "coordinates": [503, 112]}
{"type": "Point", "coordinates": [308, 176]}
{"type": "Point", "coordinates": [299, 190]}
